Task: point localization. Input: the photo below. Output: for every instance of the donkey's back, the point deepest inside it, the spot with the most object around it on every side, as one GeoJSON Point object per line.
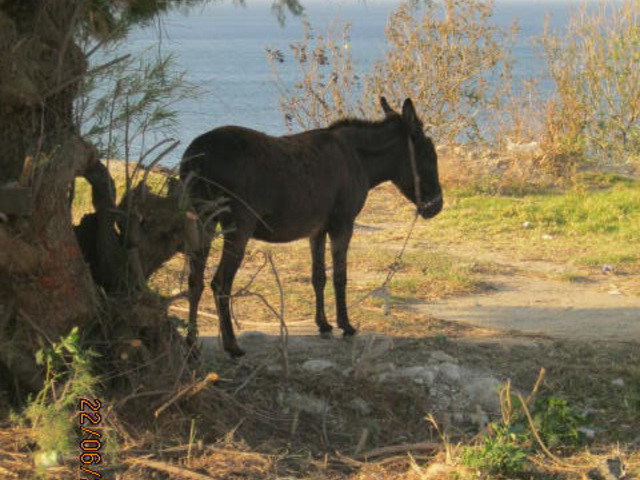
{"type": "Point", "coordinates": [288, 187]}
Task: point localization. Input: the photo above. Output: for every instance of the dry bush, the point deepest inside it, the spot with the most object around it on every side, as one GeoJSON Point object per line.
{"type": "Point", "coordinates": [327, 88]}
{"type": "Point", "coordinates": [595, 67]}
{"type": "Point", "coordinates": [451, 61]}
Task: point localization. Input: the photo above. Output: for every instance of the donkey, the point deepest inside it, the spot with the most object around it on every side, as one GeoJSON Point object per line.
{"type": "Point", "coordinates": [311, 184]}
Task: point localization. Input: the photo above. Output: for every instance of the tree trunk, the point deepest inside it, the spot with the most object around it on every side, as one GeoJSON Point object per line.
{"type": "Point", "coordinates": [45, 285]}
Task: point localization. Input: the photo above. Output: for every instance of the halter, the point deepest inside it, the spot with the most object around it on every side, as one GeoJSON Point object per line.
{"type": "Point", "coordinates": [416, 180]}
{"type": "Point", "coordinates": [414, 170]}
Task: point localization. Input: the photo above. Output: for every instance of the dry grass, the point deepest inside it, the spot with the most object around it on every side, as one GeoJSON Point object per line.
{"type": "Point", "coordinates": [242, 430]}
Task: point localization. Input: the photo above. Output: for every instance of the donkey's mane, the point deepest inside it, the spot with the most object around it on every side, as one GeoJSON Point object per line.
{"type": "Point", "coordinates": [358, 122]}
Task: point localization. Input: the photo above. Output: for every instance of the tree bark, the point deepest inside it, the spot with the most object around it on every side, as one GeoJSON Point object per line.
{"type": "Point", "coordinates": [45, 285]}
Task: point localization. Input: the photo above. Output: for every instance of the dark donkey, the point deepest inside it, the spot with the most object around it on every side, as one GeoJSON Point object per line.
{"type": "Point", "coordinates": [306, 185]}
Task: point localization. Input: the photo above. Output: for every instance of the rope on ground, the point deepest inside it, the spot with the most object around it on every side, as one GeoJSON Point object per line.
{"type": "Point", "coordinates": [382, 290]}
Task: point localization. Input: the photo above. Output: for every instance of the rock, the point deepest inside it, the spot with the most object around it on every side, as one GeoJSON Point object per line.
{"type": "Point", "coordinates": [618, 382]}
{"type": "Point", "coordinates": [254, 341]}
{"type": "Point", "coordinates": [484, 392]}
{"type": "Point", "coordinates": [610, 469]}
{"type": "Point", "coordinates": [479, 418]}
{"type": "Point", "coordinates": [292, 400]}
{"type": "Point", "coordinates": [440, 356]}
{"type": "Point", "coordinates": [47, 459]}
{"type": "Point", "coordinates": [360, 406]}
{"type": "Point", "coordinates": [589, 433]}
{"type": "Point", "coordinates": [317, 365]}
{"type": "Point", "coordinates": [419, 374]}
{"type": "Point", "coordinates": [275, 368]}
{"type": "Point", "coordinates": [450, 371]}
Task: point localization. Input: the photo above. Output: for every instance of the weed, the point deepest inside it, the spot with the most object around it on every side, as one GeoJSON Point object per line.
{"type": "Point", "coordinates": [557, 422]}
{"type": "Point", "coordinates": [68, 377]}
{"type": "Point", "coordinates": [501, 453]}
{"type": "Point", "coordinates": [553, 423]}
{"type": "Point", "coordinates": [594, 66]}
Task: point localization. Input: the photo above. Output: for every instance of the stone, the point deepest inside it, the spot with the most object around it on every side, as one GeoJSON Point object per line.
{"type": "Point", "coordinates": [589, 433]}
{"type": "Point", "coordinates": [317, 365]}
{"type": "Point", "coordinates": [484, 392]}
{"type": "Point", "coordinates": [442, 357]}
{"type": "Point", "coordinates": [450, 371]}
{"type": "Point", "coordinates": [360, 406]}
{"type": "Point", "coordinates": [420, 375]}
{"type": "Point", "coordinates": [292, 400]}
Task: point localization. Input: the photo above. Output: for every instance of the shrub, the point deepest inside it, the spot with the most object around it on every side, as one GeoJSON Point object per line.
{"type": "Point", "coordinates": [595, 67]}
{"type": "Point", "coordinates": [451, 61]}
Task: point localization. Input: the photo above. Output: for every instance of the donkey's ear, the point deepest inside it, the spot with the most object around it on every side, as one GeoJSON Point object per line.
{"type": "Point", "coordinates": [385, 106]}
{"type": "Point", "coordinates": [409, 112]}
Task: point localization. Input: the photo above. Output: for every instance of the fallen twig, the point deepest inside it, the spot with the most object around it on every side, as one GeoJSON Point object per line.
{"type": "Point", "coordinates": [399, 449]}
{"type": "Point", "coordinates": [168, 468]}
{"type": "Point", "coordinates": [188, 390]}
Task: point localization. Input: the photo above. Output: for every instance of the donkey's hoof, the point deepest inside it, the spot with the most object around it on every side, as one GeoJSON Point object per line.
{"type": "Point", "coordinates": [326, 335]}
{"type": "Point", "coordinates": [234, 351]}
{"type": "Point", "coordinates": [347, 333]}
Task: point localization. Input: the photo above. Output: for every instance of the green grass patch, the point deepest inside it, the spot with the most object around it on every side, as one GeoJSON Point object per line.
{"type": "Point", "coordinates": [588, 226]}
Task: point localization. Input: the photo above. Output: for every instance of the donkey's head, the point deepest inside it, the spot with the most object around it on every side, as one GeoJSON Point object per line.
{"type": "Point", "coordinates": [417, 179]}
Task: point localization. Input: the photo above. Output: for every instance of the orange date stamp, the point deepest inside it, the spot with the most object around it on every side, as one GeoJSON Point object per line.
{"type": "Point", "coordinates": [91, 441]}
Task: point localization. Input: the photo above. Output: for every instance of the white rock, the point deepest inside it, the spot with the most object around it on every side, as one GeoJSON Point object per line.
{"type": "Point", "coordinates": [589, 433]}
{"type": "Point", "coordinates": [275, 368]}
{"type": "Point", "coordinates": [359, 406]}
{"type": "Point", "coordinates": [418, 374]}
{"type": "Point", "coordinates": [484, 392]}
{"type": "Point", "coordinates": [440, 356]}
{"type": "Point", "coordinates": [317, 365]}
{"type": "Point", "coordinates": [422, 375]}
{"type": "Point", "coordinates": [618, 382]}
{"type": "Point", "coordinates": [292, 400]}
{"type": "Point", "coordinates": [48, 459]}
{"type": "Point", "coordinates": [450, 371]}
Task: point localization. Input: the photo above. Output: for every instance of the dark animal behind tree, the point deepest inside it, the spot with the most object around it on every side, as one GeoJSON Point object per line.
{"type": "Point", "coordinates": [311, 184]}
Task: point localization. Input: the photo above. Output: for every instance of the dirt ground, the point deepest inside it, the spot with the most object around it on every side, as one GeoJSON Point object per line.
{"type": "Point", "coordinates": [524, 301]}
{"type": "Point", "coordinates": [519, 297]}
{"type": "Point", "coordinates": [452, 356]}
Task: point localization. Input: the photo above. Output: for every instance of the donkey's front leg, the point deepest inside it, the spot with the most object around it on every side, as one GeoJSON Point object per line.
{"type": "Point", "coordinates": [319, 280]}
{"type": "Point", "coordinates": [340, 239]}
{"type": "Point", "coordinates": [235, 243]}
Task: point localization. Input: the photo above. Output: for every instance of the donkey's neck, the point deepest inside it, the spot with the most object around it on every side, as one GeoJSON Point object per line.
{"type": "Point", "coordinates": [379, 147]}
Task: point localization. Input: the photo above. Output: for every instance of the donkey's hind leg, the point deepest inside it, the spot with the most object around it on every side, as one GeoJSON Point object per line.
{"type": "Point", "coordinates": [197, 264]}
{"type": "Point", "coordinates": [340, 239]}
{"type": "Point", "coordinates": [235, 243]}
{"type": "Point", "coordinates": [319, 280]}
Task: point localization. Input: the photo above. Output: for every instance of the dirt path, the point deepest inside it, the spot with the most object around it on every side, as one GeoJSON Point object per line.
{"type": "Point", "coordinates": [525, 301]}
{"type": "Point", "coordinates": [578, 311]}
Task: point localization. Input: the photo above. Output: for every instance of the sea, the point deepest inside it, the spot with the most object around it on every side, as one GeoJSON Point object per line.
{"type": "Point", "coordinates": [221, 48]}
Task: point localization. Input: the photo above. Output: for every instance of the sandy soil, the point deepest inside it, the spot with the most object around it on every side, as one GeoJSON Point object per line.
{"type": "Point", "coordinates": [593, 309]}
{"type": "Point", "coordinates": [524, 302]}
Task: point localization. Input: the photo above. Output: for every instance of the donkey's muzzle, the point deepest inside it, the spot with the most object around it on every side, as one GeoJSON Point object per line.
{"type": "Point", "coordinates": [431, 208]}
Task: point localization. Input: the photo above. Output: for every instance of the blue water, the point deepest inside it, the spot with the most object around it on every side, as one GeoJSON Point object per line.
{"type": "Point", "coordinates": [221, 48]}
